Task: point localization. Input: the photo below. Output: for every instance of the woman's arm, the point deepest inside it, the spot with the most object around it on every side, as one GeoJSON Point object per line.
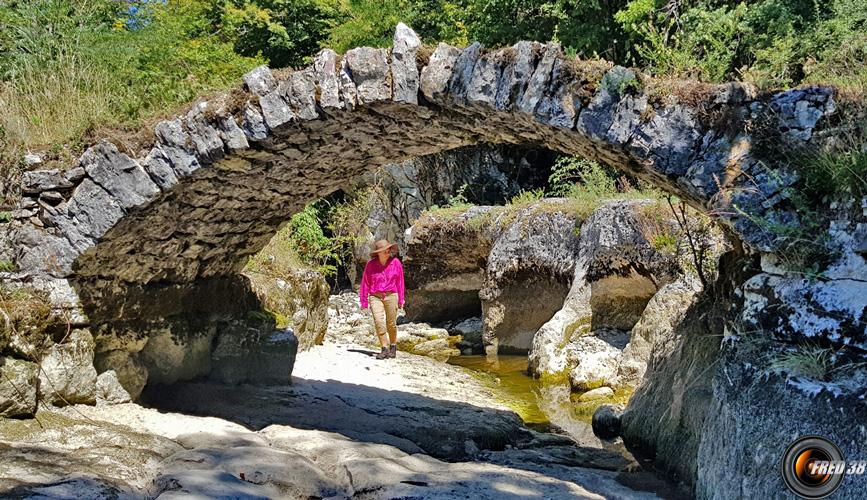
{"type": "Point", "coordinates": [364, 289]}
{"type": "Point", "coordinates": [400, 290]}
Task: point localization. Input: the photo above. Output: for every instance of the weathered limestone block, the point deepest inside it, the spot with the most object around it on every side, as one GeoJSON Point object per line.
{"type": "Point", "coordinates": [205, 137]}
{"type": "Point", "coordinates": [170, 356]}
{"type": "Point", "coordinates": [37, 181]}
{"type": "Point", "coordinates": [517, 260]}
{"type": "Point", "coordinates": [174, 143]}
{"type": "Point", "coordinates": [253, 356]}
{"type": "Point", "coordinates": [482, 88]}
{"type": "Point", "coordinates": [597, 356]}
{"type": "Point", "coordinates": [616, 273]}
{"type": "Point", "coordinates": [66, 374]}
{"type": "Point", "coordinates": [118, 174]}
{"type": "Point", "coordinates": [799, 110]}
{"type": "Point", "coordinates": [128, 370]}
{"type": "Point", "coordinates": [403, 65]}
{"type": "Point", "coordinates": [325, 72]}
{"type": "Point", "coordinates": [300, 297]}
{"type": "Point", "coordinates": [537, 86]}
{"type": "Point", "coordinates": [522, 60]}
{"type": "Point", "coordinates": [656, 327]}
{"type": "Point", "coordinates": [160, 170]}
{"type": "Point", "coordinates": [18, 383]}
{"type": "Point", "coordinates": [560, 105]}
{"type": "Point", "coordinates": [370, 73]}
{"type": "Point", "coordinates": [260, 81]}
{"type": "Point", "coordinates": [436, 75]}
{"type": "Point", "coordinates": [275, 110]}
{"type": "Point", "coordinates": [109, 391]}
{"type": "Point", "coordinates": [462, 73]}
{"type": "Point", "coordinates": [253, 124]}
{"type": "Point", "coordinates": [301, 94]}
{"type": "Point", "coordinates": [797, 309]}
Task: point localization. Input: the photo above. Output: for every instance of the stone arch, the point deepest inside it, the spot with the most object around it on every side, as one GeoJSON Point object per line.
{"type": "Point", "coordinates": [168, 230]}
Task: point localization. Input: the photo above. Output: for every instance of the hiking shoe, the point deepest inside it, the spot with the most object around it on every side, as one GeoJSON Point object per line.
{"type": "Point", "coordinates": [383, 354]}
{"type": "Point", "coordinates": [392, 351]}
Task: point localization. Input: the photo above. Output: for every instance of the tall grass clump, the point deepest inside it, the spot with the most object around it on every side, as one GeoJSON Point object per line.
{"type": "Point", "coordinates": [68, 68]}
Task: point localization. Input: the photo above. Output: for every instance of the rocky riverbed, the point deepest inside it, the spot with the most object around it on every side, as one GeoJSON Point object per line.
{"type": "Point", "coordinates": [348, 426]}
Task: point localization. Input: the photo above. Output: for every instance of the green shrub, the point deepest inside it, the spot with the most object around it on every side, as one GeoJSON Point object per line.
{"type": "Point", "coordinates": [285, 32]}
{"type": "Point", "coordinates": [527, 197]}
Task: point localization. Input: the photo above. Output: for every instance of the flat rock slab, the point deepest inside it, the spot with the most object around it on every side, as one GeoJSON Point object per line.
{"type": "Point", "coordinates": [349, 425]}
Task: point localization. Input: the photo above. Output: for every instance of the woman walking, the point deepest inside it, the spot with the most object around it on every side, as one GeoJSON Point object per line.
{"type": "Point", "coordinates": [382, 290]}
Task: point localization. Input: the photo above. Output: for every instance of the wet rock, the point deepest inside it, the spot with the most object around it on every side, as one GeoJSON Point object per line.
{"type": "Point", "coordinates": [597, 356]}
{"type": "Point", "coordinates": [109, 391]}
{"type": "Point", "coordinates": [598, 393]}
{"type": "Point", "coordinates": [18, 382]}
{"type": "Point", "coordinates": [424, 340]}
{"type": "Point", "coordinates": [66, 374]}
{"type": "Point", "coordinates": [470, 331]}
{"type": "Point", "coordinates": [606, 421]}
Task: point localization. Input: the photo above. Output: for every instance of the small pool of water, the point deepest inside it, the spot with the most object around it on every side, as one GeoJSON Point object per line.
{"type": "Point", "coordinates": [542, 407]}
{"type": "Point", "coordinates": [507, 375]}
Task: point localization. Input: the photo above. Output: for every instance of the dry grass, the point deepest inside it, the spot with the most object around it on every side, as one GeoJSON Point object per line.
{"type": "Point", "coordinates": [26, 314]}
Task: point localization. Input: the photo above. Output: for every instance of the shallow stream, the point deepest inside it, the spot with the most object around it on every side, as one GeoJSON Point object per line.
{"type": "Point", "coordinates": [544, 407]}
{"type": "Point", "coordinates": [555, 408]}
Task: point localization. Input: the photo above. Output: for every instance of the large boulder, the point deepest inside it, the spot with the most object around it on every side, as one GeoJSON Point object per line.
{"type": "Point", "coordinates": [634, 279]}
{"type": "Point", "coordinates": [253, 355]}
{"type": "Point", "coordinates": [299, 299]}
{"type": "Point", "coordinates": [66, 374]}
{"type": "Point", "coordinates": [618, 270]}
{"type": "Point", "coordinates": [513, 262]}
{"type": "Point", "coordinates": [129, 371]}
{"type": "Point", "coordinates": [18, 383]}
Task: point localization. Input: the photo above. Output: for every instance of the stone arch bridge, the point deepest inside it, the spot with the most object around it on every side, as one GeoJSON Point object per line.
{"type": "Point", "coordinates": [124, 237]}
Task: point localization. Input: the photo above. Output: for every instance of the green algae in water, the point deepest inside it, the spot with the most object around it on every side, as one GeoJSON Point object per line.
{"type": "Point", "coordinates": [507, 376]}
{"type": "Point", "coordinates": [537, 402]}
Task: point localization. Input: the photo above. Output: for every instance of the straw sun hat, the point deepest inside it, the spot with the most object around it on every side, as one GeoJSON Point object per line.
{"type": "Point", "coordinates": [382, 246]}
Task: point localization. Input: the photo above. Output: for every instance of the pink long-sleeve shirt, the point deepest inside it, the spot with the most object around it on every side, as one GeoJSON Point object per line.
{"type": "Point", "coordinates": [378, 278]}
